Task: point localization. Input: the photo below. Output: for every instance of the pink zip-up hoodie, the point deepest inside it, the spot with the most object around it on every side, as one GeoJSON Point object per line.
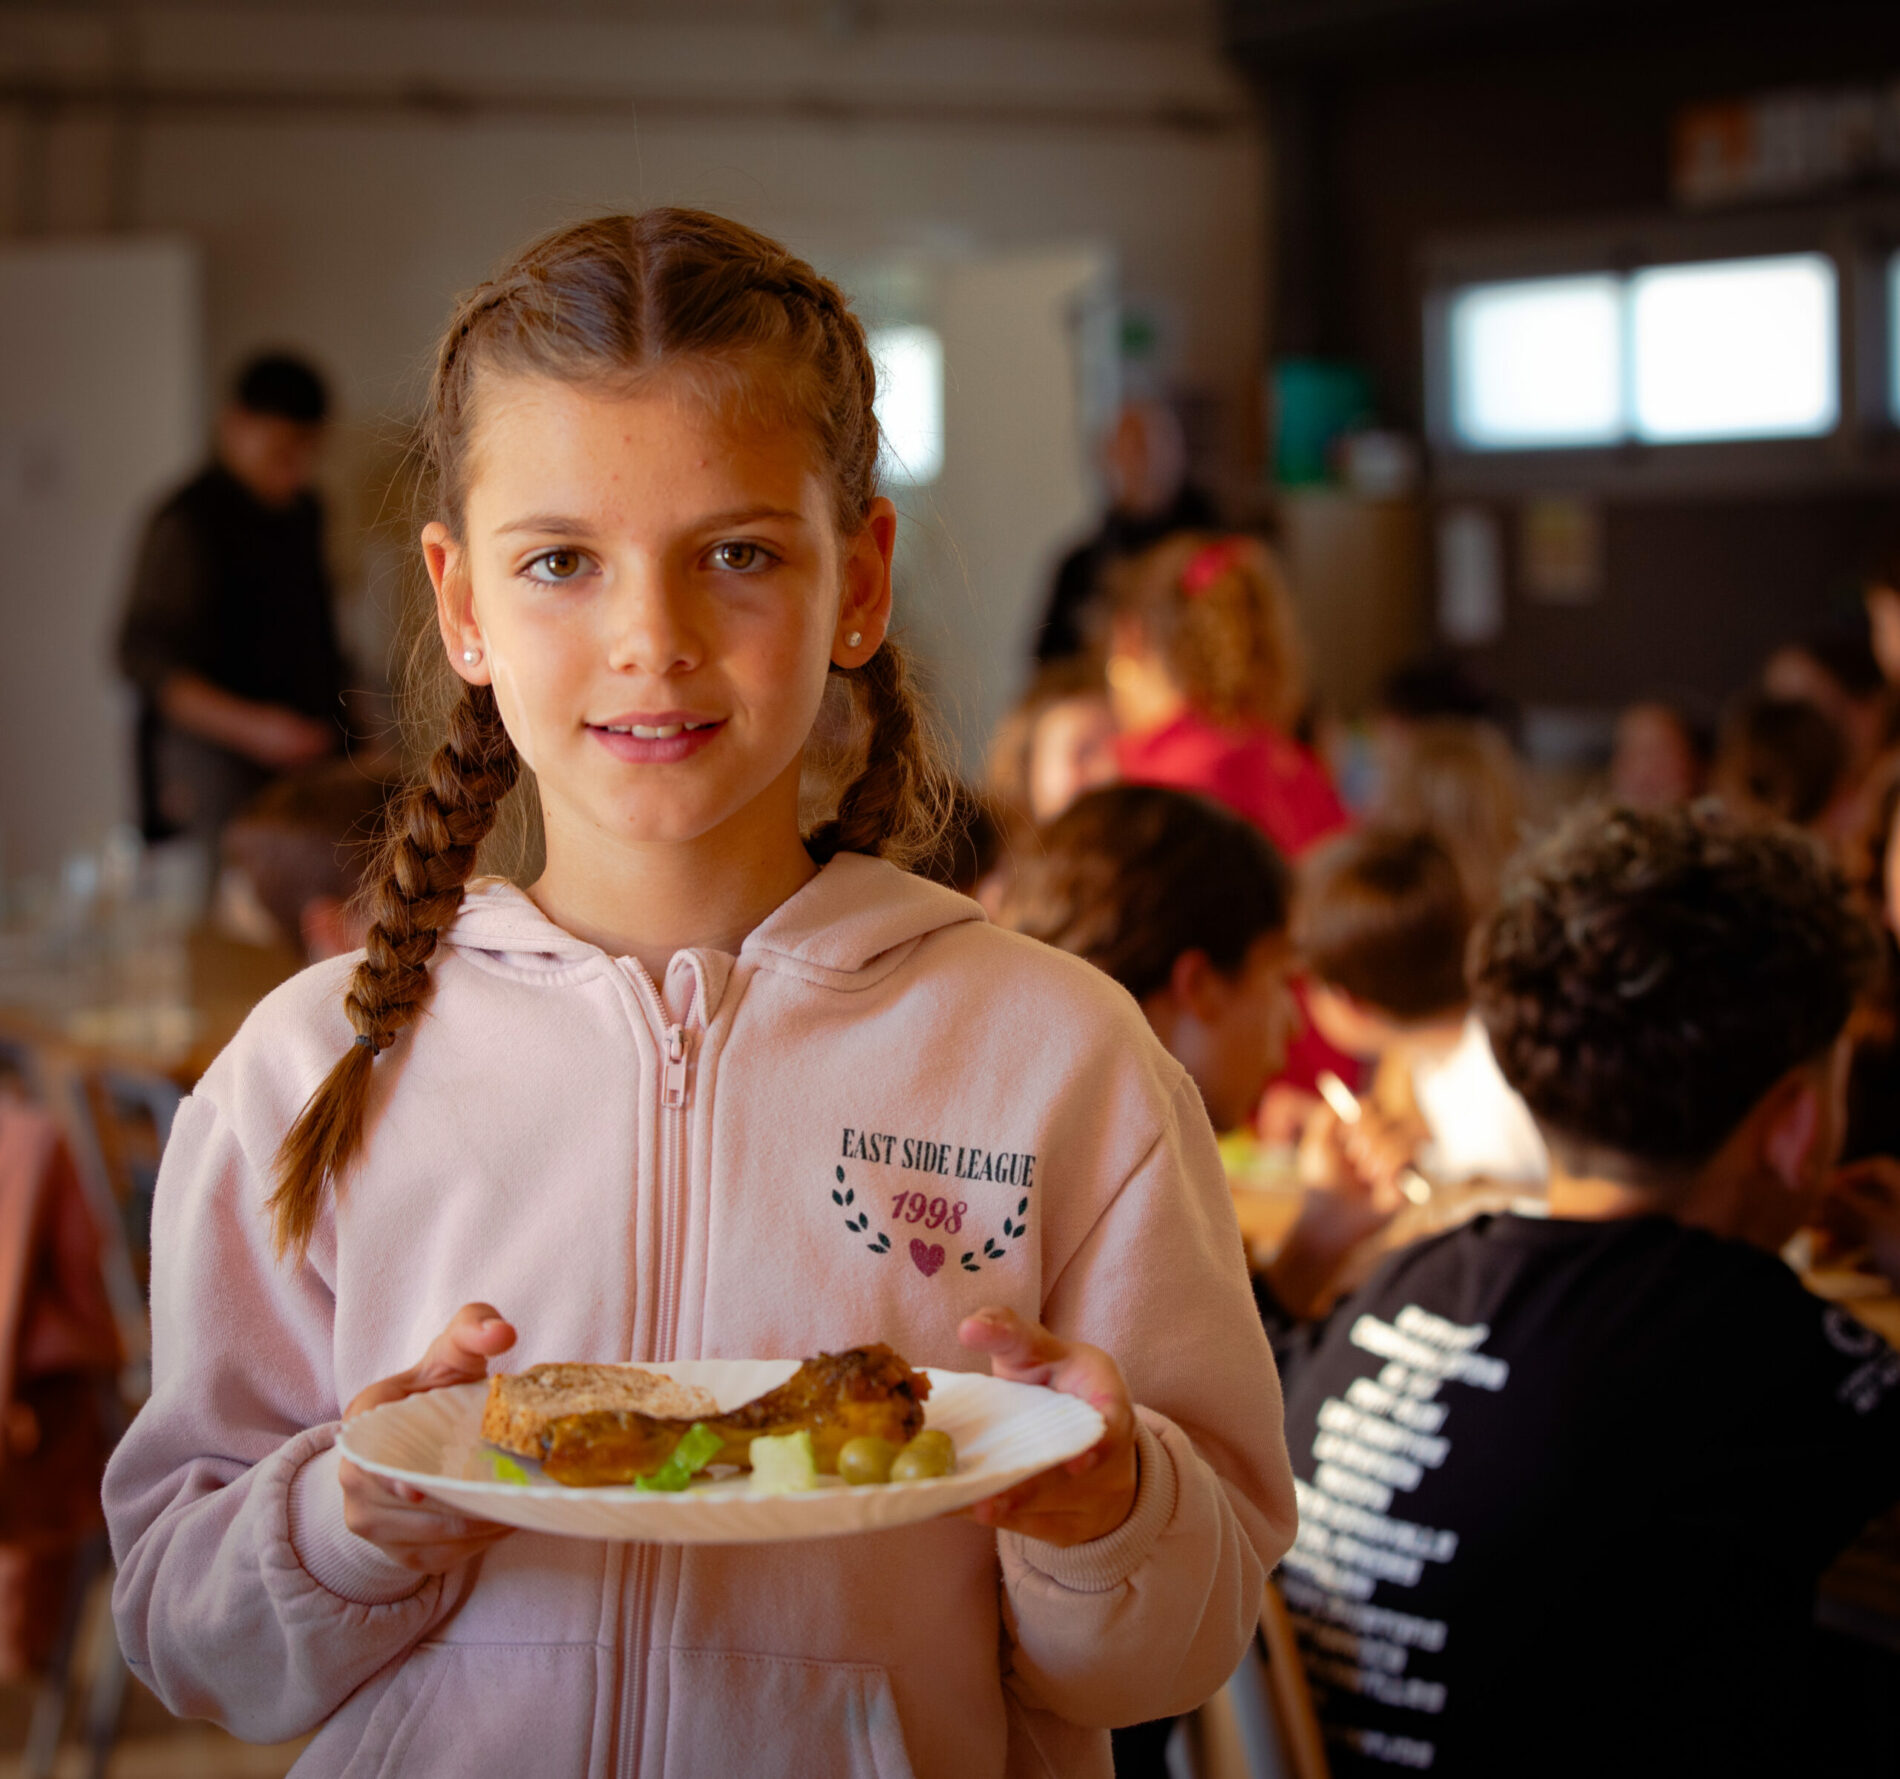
{"type": "Point", "coordinates": [745, 1161]}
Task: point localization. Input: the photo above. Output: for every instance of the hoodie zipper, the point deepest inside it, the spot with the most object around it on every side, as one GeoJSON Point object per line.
{"type": "Point", "coordinates": [676, 1098]}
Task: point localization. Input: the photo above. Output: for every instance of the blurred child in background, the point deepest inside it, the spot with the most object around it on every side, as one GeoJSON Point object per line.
{"type": "Point", "coordinates": [1567, 1482]}
{"type": "Point", "coordinates": [1382, 926]}
{"type": "Point", "coordinates": [1423, 691]}
{"type": "Point", "coordinates": [1873, 869]}
{"type": "Point", "coordinates": [1778, 759]}
{"type": "Point", "coordinates": [1838, 672]}
{"type": "Point", "coordinates": [298, 853]}
{"type": "Point", "coordinates": [1459, 781]}
{"type": "Point", "coordinates": [1057, 742]}
{"type": "Point", "coordinates": [1186, 906]}
{"type": "Point", "coordinates": [1660, 757]}
{"type": "Point", "coordinates": [1208, 679]}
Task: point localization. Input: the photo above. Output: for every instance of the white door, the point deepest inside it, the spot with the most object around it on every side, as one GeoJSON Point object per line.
{"type": "Point", "coordinates": [1028, 375]}
{"type": "Point", "coordinates": [101, 410]}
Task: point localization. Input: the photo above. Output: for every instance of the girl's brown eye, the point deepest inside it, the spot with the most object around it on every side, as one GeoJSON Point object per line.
{"type": "Point", "coordinates": [554, 566]}
{"type": "Point", "coordinates": [739, 558]}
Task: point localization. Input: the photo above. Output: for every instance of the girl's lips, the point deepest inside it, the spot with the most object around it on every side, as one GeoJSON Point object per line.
{"type": "Point", "coordinates": [657, 750]}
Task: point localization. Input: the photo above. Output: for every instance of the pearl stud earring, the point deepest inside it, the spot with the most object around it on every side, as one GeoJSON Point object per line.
{"type": "Point", "coordinates": [852, 641]}
{"type": "Point", "coordinates": [471, 656]}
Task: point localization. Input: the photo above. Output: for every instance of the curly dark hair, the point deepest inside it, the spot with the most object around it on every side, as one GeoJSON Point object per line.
{"type": "Point", "coordinates": [1648, 976]}
{"type": "Point", "coordinates": [1131, 876]}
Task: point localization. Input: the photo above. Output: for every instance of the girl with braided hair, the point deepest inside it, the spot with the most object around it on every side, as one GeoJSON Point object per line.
{"type": "Point", "coordinates": [722, 1081]}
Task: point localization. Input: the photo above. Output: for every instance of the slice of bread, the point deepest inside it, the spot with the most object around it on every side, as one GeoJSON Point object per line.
{"type": "Point", "coordinates": [521, 1404]}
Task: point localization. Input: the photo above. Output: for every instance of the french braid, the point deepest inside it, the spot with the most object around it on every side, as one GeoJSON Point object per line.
{"type": "Point", "coordinates": [897, 806]}
{"type": "Point", "coordinates": [415, 894]}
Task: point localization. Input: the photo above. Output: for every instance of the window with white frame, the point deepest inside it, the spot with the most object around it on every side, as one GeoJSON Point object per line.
{"type": "Point", "coordinates": [1671, 354]}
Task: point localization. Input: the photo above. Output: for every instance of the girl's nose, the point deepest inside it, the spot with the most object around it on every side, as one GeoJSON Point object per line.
{"type": "Point", "coordinates": [650, 624]}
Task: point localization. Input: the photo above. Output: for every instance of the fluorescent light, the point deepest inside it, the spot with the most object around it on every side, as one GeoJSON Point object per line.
{"type": "Point", "coordinates": [1537, 362]}
{"type": "Point", "coordinates": [1734, 349]}
{"type": "Point", "coordinates": [909, 402]}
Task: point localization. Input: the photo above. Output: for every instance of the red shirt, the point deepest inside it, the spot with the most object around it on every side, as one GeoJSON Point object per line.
{"type": "Point", "coordinates": [1284, 791]}
{"type": "Point", "coordinates": [1256, 771]}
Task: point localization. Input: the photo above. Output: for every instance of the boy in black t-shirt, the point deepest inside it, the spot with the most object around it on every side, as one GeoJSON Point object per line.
{"type": "Point", "coordinates": [1566, 1483]}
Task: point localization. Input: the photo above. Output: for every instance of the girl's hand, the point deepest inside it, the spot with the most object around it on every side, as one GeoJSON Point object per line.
{"type": "Point", "coordinates": [1090, 1496]}
{"type": "Point", "coordinates": [402, 1522]}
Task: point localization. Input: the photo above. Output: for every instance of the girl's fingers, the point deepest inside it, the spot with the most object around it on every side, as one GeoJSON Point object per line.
{"type": "Point", "coordinates": [1059, 1509]}
{"type": "Point", "coordinates": [1022, 1351]}
{"type": "Point", "coordinates": [458, 1355]}
{"type": "Point", "coordinates": [1012, 1342]}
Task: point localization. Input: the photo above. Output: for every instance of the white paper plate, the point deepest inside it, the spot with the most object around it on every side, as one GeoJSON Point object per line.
{"type": "Point", "coordinates": [1003, 1432]}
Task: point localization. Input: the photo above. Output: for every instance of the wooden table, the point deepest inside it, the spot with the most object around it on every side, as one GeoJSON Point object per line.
{"type": "Point", "coordinates": [224, 979]}
{"type": "Point", "coordinates": [112, 1071]}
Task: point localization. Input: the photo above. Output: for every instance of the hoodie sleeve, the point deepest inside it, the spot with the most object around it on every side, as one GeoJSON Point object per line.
{"type": "Point", "coordinates": [1151, 1620]}
{"type": "Point", "coordinates": [241, 1596]}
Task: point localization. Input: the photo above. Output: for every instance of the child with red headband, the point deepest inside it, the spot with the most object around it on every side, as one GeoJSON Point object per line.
{"type": "Point", "coordinates": [1206, 676]}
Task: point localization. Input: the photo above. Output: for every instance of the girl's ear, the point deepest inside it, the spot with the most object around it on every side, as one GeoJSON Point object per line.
{"type": "Point", "coordinates": [455, 604]}
{"type": "Point", "coordinates": [864, 614]}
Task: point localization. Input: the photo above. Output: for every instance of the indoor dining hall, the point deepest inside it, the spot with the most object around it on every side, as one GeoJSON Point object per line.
{"type": "Point", "coordinates": [954, 891]}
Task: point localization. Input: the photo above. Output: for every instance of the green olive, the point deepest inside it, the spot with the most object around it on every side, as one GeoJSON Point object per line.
{"type": "Point", "coordinates": [866, 1459]}
{"type": "Point", "coordinates": [931, 1453]}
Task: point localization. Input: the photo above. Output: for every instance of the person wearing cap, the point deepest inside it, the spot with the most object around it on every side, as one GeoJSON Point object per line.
{"type": "Point", "coordinates": [228, 633]}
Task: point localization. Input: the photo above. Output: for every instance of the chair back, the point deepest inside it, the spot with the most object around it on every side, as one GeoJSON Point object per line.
{"type": "Point", "coordinates": [1303, 1747]}
{"type": "Point", "coordinates": [1261, 1724]}
{"type": "Point", "coordinates": [59, 1362]}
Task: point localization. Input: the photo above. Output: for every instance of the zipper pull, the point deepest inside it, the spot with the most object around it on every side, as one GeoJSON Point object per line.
{"type": "Point", "coordinates": [674, 1089]}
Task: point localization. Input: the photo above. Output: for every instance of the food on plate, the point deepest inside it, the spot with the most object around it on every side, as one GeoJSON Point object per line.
{"type": "Point", "coordinates": [693, 1453]}
{"type": "Point", "coordinates": [836, 1397]}
{"type": "Point", "coordinates": [522, 1405]}
{"type": "Point", "coordinates": [783, 1463]}
{"type": "Point", "coordinates": [866, 1459]}
{"type": "Point", "coordinates": [931, 1453]}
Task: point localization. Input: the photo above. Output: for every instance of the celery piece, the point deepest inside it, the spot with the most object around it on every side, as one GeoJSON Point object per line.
{"type": "Point", "coordinates": [783, 1465]}
{"type": "Point", "coordinates": [693, 1453]}
{"type": "Point", "coordinates": [507, 1470]}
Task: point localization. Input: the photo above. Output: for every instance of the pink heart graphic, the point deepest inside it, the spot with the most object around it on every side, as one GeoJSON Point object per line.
{"type": "Point", "coordinates": [926, 1260]}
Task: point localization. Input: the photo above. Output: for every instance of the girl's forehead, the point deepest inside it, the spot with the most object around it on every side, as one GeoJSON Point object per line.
{"type": "Point", "coordinates": [660, 446]}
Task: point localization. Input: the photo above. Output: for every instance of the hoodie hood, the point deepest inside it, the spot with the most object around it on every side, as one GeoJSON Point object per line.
{"type": "Point", "coordinates": [847, 928]}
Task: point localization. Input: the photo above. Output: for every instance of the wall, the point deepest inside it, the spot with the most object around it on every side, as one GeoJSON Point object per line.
{"type": "Point", "coordinates": [345, 172]}
{"type": "Point", "coordinates": [100, 406]}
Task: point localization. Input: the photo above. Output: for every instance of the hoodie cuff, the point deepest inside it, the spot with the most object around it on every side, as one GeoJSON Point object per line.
{"type": "Point", "coordinates": [1105, 1563]}
{"type": "Point", "coordinates": [332, 1555]}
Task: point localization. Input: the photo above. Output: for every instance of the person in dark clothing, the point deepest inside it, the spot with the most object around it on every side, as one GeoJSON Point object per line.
{"type": "Point", "coordinates": [1567, 1483]}
{"type": "Point", "coordinates": [228, 633]}
{"type": "Point", "coordinates": [1145, 461]}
